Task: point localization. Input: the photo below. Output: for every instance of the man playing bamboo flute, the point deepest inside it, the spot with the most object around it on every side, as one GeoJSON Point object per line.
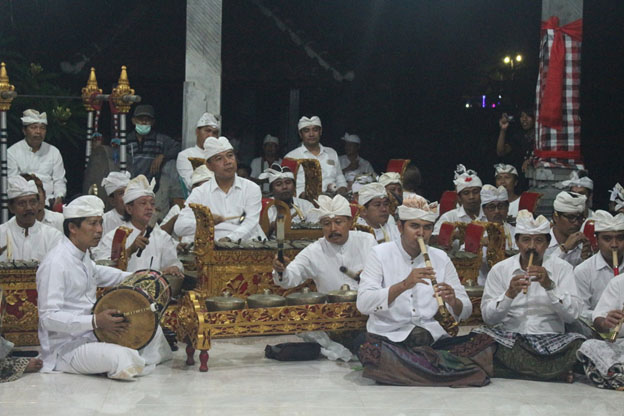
{"type": "Point", "coordinates": [526, 302]}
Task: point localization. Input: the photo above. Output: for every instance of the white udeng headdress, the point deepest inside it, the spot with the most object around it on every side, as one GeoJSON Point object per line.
{"type": "Point", "coordinates": [331, 208]}
{"type": "Point", "coordinates": [270, 139]}
{"type": "Point", "coordinates": [417, 208]}
{"type": "Point", "coordinates": [526, 224]}
{"type": "Point", "coordinates": [137, 188]}
{"type": "Point", "coordinates": [574, 180]}
{"type": "Point", "coordinates": [84, 206]}
{"type": "Point", "coordinates": [390, 177]}
{"type": "Point", "coordinates": [213, 145]}
{"type": "Point", "coordinates": [617, 196]}
{"type": "Point", "coordinates": [208, 119]}
{"type": "Point", "coordinates": [31, 116]}
{"type": "Point", "coordinates": [115, 181]}
{"type": "Point", "coordinates": [371, 191]}
{"type": "Point", "coordinates": [490, 193]}
{"type": "Point", "coordinates": [351, 138]}
{"type": "Point", "coordinates": [201, 174]}
{"type": "Point", "coordinates": [307, 122]}
{"type": "Point", "coordinates": [465, 178]}
{"type": "Point", "coordinates": [569, 202]}
{"type": "Point", "coordinates": [504, 168]}
{"type": "Point", "coordinates": [18, 186]}
{"type": "Point", "coordinates": [276, 172]}
{"type": "Point", "coordinates": [604, 221]}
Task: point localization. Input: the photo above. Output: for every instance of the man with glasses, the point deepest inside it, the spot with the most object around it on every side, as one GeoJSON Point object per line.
{"type": "Point", "coordinates": [566, 240]}
{"type": "Point", "coordinates": [376, 212]}
{"type": "Point", "coordinates": [333, 260]}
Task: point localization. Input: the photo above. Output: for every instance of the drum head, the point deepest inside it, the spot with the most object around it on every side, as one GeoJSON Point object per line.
{"type": "Point", "coordinates": [142, 325]}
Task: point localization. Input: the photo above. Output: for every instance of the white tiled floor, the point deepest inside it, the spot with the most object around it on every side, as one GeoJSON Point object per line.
{"type": "Point", "coordinates": [242, 382]}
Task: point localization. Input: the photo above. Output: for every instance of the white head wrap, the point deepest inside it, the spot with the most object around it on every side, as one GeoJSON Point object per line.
{"type": "Point", "coordinates": [390, 177]}
{"type": "Point", "coordinates": [33, 117]}
{"type": "Point", "coordinates": [208, 119]}
{"type": "Point", "coordinates": [276, 172]}
{"type": "Point", "coordinates": [351, 138]}
{"type": "Point", "coordinates": [18, 186]}
{"type": "Point", "coordinates": [504, 168]}
{"type": "Point", "coordinates": [212, 146]}
{"type": "Point", "coordinates": [201, 174]}
{"type": "Point", "coordinates": [574, 180]}
{"type": "Point", "coordinates": [371, 191]}
{"type": "Point", "coordinates": [84, 206]}
{"type": "Point", "coordinates": [526, 224]}
{"type": "Point", "coordinates": [361, 180]}
{"type": "Point", "coordinates": [569, 202]}
{"type": "Point", "coordinates": [417, 208]}
{"type": "Point", "coordinates": [331, 208]}
{"type": "Point", "coordinates": [604, 221]}
{"type": "Point", "coordinates": [466, 178]}
{"type": "Point", "coordinates": [490, 193]}
{"type": "Point", "coordinates": [617, 196]}
{"type": "Point", "coordinates": [270, 139]}
{"type": "Point", "coordinates": [307, 122]}
{"type": "Point", "coordinates": [115, 181]}
{"type": "Point", "coordinates": [139, 187]}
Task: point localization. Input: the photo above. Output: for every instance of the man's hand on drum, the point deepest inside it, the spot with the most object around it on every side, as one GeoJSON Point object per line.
{"type": "Point", "coordinates": [107, 320]}
{"type": "Point", "coordinates": [278, 266]}
{"type": "Point", "coordinates": [174, 270]}
{"type": "Point", "coordinates": [139, 243]}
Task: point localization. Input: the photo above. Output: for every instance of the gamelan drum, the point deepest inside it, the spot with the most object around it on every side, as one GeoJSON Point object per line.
{"type": "Point", "coordinates": [142, 298]}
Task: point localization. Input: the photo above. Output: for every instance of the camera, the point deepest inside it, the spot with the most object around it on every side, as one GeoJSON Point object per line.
{"type": "Point", "coordinates": [510, 119]}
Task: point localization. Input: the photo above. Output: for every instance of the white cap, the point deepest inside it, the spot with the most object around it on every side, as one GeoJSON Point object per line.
{"type": "Point", "coordinates": [201, 174]}
{"type": "Point", "coordinates": [276, 172]}
{"type": "Point", "coordinates": [84, 206]}
{"type": "Point", "coordinates": [504, 168]}
{"type": "Point", "coordinates": [574, 180]}
{"type": "Point", "coordinates": [604, 221]}
{"type": "Point", "coordinates": [617, 196]}
{"type": "Point", "coordinates": [526, 224]}
{"type": "Point", "coordinates": [569, 202]}
{"type": "Point", "coordinates": [307, 122]}
{"type": "Point", "coordinates": [18, 186]}
{"type": "Point", "coordinates": [331, 208]}
{"type": "Point", "coordinates": [390, 177]}
{"type": "Point", "coordinates": [33, 116]}
{"type": "Point", "coordinates": [208, 119]}
{"type": "Point", "coordinates": [371, 191]}
{"type": "Point", "coordinates": [212, 146]}
{"type": "Point", "coordinates": [137, 188]}
{"type": "Point", "coordinates": [351, 138]}
{"type": "Point", "coordinates": [466, 178]}
{"type": "Point", "coordinates": [417, 208]}
{"type": "Point", "coordinates": [490, 193]}
{"type": "Point", "coordinates": [270, 139]}
{"type": "Point", "coordinates": [115, 181]}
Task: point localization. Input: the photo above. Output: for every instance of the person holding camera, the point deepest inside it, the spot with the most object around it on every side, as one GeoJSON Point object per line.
{"type": "Point", "coordinates": [516, 148]}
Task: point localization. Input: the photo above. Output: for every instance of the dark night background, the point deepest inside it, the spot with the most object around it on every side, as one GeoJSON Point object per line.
{"type": "Point", "coordinates": [415, 65]}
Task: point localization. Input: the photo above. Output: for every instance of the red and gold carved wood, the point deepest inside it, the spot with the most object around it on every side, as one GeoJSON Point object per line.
{"type": "Point", "coordinates": [21, 320]}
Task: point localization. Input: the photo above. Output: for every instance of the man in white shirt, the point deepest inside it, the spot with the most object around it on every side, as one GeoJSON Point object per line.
{"type": "Point", "coordinates": [468, 187]}
{"type": "Point", "coordinates": [230, 198]}
{"type": "Point", "coordinates": [507, 176]}
{"type": "Point", "coordinates": [44, 215]}
{"type": "Point", "coordinates": [375, 212]}
{"type": "Point", "coordinates": [33, 155]}
{"type": "Point", "coordinates": [529, 327]}
{"type": "Point", "coordinates": [147, 247]}
{"type": "Point", "coordinates": [207, 126]}
{"type": "Point", "coordinates": [115, 186]}
{"type": "Point", "coordinates": [270, 156]}
{"type": "Point", "coordinates": [67, 281]}
{"type": "Point", "coordinates": [392, 182]}
{"type": "Point", "coordinates": [567, 240]}
{"type": "Point", "coordinates": [23, 237]}
{"type": "Point", "coordinates": [310, 130]}
{"type": "Point", "coordinates": [351, 163]}
{"type": "Point", "coordinates": [333, 260]}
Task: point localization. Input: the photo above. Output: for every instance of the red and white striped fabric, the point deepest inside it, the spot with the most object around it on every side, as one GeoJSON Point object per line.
{"type": "Point", "coordinates": [558, 124]}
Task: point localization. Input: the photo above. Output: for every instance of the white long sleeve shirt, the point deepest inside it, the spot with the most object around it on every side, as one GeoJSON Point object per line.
{"type": "Point", "coordinates": [40, 240]}
{"type": "Point", "coordinates": [540, 311]}
{"type": "Point", "coordinates": [388, 264]}
{"type": "Point", "coordinates": [572, 256]}
{"type": "Point", "coordinates": [364, 167]}
{"type": "Point", "coordinates": [46, 163]}
{"type": "Point", "coordinates": [53, 219]}
{"type": "Point", "coordinates": [161, 248]}
{"type": "Point", "coordinates": [612, 299]}
{"type": "Point", "coordinates": [321, 262]}
{"type": "Point", "coordinates": [306, 208]}
{"type": "Point", "coordinates": [330, 167]}
{"type": "Point", "coordinates": [67, 280]}
{"type": "Point", "coordinates": [184, 165]}
{"type": "Point", "coordinates": [457, 215]}
{"type": "Point", "coordinates": [111, 220]}
{"type": "Point", "coordinates": [243, 196]}
{"type": "Point", "coordinates": [592, 277]}
{"type": "Point", "coordinates": [387, 232]}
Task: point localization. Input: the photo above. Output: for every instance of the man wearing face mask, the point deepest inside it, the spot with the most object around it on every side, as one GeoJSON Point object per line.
{"type": "Point", "coordinates": [148, 150]}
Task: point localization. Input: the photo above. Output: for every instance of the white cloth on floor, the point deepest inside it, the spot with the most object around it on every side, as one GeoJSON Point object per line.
{"type": "Point", "coordinates": [330, 167]}
{"type": "Point", "coordinates": [40, 240]}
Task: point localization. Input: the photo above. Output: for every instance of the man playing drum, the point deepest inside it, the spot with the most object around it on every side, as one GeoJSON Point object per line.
{"type": "Point", "coordinates": [67, 280]}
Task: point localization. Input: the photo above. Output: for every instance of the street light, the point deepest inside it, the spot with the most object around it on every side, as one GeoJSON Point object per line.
{"type": "Point", "coordinates": [508, 60]}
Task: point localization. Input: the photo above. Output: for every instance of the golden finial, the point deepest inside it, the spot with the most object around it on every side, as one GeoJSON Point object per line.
{"type": "Point", "coordinates": [120, 91]}
{"type": "Point", "coordinates": [89, 90]}
{"type": "Point", "coordinates": [5, 89]}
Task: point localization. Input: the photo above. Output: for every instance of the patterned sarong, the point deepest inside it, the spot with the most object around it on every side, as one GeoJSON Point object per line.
{"type": "Point", "coordinates": [603, 363]}
{"type": "Point", "coordinates": [543, 344]}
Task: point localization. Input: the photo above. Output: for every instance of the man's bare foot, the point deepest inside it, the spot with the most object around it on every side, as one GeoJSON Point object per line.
{"type": "Point", "coordinates": [34, 365]}
{"type": "Point", "coordinates": [568, 377]}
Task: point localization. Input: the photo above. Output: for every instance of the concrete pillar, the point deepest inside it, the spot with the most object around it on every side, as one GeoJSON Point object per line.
{"type": "Point", "coordinates": [202, 82]}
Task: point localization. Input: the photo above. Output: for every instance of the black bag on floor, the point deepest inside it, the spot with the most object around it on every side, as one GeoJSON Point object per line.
{"type": "Point", "coordinates": [293, 351]}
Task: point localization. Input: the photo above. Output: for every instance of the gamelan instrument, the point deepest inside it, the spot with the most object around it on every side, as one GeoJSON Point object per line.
{"type": "Point", "coordinates": [141, 299]}
{"type": "Point", "coordinates": [526, 289]}
{"type": "Point", "coordinates": [148, 232]}
{"type": "Point", "coordinates": [279, 224]}
{"type": "Point", "coordinates": [443, 316]}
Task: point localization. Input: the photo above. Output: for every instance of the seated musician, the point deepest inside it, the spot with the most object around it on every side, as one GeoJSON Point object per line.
{"type": "Point", "coordinates": [282, 186]}
{"type": "Point", "coordinates": [207, 126]}
{"type": "Point", "coordinates": [529, 327]}
{"type": "Point", "coordinates": [235, 202]}
{"type": "Point", "coordinates": [157, 248]}
{"type": "Point", "coordinates": [323, 260]}
{"type": "Point", "coordinates": [23, 237]}
{"type": "Point", "coordinates": [593, 275]}
{"type": "Point", "coordinates": [115, 185]}
{"type": "Point", "coordinates": [582, 184]}
{"type": "Point", "coordinates": [567, 241]}
{"type": "Point", "coordinates": [507, 176]}
{"type": "Point", "coordinates": [468, 187]}
{"type": "Point", "coordinates": [392, 182]}
{"type": "Point", "coordinates": [44, 215]}
{"type": "Point", "coordinates": [67, 280]}
{"type": "Point", "coordinates": [375, 213]}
